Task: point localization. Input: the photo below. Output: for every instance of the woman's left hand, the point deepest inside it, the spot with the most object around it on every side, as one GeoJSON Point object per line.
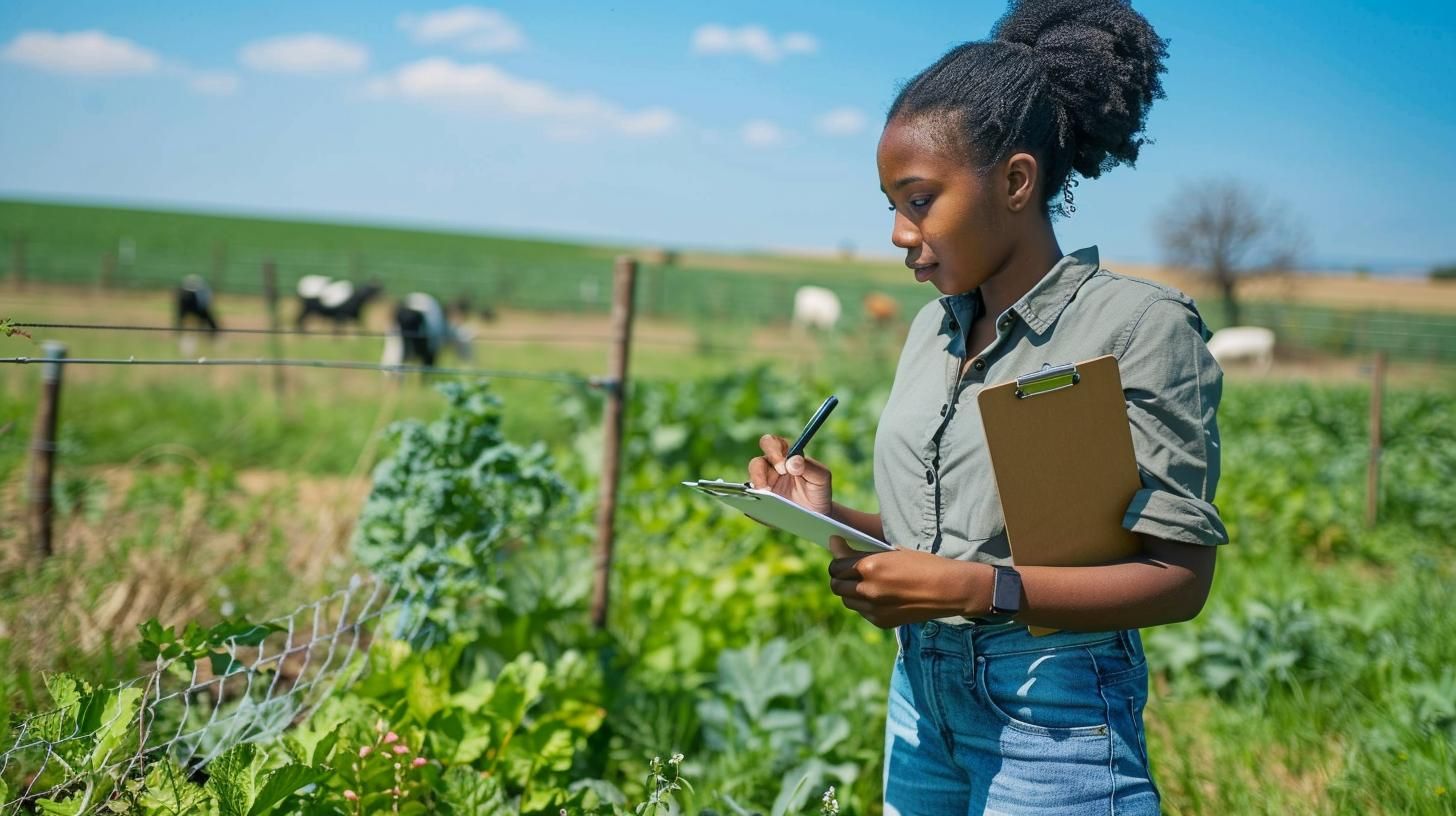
{"type": "Point", "coordinates": [907, 586]}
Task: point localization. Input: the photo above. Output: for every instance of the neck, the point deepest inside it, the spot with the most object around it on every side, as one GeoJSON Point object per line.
{"type": "Point", "coordinates": [1032, 259]}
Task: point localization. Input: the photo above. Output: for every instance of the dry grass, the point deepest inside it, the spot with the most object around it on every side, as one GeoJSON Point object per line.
{"type": "Point", "coordinates": [1309, 288]}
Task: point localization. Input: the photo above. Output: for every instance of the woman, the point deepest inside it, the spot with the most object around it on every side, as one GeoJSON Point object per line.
{"type": "Point", "coordinates": [976, 157]}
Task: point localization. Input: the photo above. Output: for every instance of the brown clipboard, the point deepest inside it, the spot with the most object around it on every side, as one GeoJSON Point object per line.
{"type": "Point", "coordinates": [1061, 449]}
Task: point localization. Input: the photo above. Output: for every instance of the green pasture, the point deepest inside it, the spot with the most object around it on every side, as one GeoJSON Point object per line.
{"type": "Point", "coordinates": [142, 249]}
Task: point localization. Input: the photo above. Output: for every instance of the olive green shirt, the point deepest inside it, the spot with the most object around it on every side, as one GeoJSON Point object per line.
{"type": "Point", "coordinates": [933, 474]}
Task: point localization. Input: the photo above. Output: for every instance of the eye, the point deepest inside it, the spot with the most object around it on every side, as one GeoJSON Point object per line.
{"type": "Point", "coordinates": [920, 202]}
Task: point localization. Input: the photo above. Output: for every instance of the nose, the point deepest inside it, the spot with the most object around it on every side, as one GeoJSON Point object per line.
{"type": "Point", "coordinates": [904, 234]}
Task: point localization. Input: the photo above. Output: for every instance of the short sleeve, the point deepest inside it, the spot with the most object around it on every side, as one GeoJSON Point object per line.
{"type": "Point", "coordinates": [1172, 386]}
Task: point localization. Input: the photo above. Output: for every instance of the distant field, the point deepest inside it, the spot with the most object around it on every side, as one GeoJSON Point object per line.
{"type": "Point", "coordinates": [149, 250]}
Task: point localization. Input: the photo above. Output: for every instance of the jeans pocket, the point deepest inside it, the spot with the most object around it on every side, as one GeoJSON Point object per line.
{"type": "Point", "coordinates": [1051, 692]}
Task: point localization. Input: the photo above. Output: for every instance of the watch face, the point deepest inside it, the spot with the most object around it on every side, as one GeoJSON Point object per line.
{"type": "Point", "coordinates": [1006, 591]}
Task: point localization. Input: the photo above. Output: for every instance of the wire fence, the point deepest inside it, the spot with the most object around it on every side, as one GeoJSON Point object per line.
{"type": "Point", "coordinates": [350, 334]}
{"type": "Point", "coordinates": [190, 708]}
{"type": "Point", "coordinates": [350, 365]}
{"type": "Point", "coordinates": [758, 290]}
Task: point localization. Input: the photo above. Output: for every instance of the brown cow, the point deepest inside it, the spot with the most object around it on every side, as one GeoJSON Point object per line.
{"type": "Point", "coordinates": [881, 309]}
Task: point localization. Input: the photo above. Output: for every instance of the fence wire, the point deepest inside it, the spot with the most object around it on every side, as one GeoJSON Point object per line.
{"type": "Point", "coordinates": [349, 365]}
{"type": "Point", "coordinates": [192, 714]}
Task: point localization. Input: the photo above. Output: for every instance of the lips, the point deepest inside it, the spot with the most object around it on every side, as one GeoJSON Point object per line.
{"type": "Point", "coordinates": [923, 273]}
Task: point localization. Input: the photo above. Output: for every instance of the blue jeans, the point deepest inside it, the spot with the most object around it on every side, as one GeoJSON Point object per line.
{"type": "Point", "coordinates": [988, 719]}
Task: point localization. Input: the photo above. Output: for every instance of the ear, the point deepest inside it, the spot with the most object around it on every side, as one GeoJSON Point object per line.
{"type": "Point", "coordinates": [1022, 175]}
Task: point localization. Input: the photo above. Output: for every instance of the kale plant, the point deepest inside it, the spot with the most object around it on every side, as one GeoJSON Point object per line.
{"type": "Point", "coordinates": [453, 492]}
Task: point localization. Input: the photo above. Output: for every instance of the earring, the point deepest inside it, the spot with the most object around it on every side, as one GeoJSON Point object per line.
{"type": "Point", "coordinates": [1069, 204]}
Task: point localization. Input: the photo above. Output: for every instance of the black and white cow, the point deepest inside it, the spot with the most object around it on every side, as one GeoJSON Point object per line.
{"type": "Point", "coordinates": [421, 331]}
{"type": "Point", "coordinates": [338, 300]}
{"type": "Point", "coordinates": [194, 300]}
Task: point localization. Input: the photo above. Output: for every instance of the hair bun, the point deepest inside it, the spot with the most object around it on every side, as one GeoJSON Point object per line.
{"type": "Point", "coordinates": [1103, 60]}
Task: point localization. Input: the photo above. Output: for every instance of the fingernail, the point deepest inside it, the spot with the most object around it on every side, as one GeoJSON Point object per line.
{"type": "Point", "coordinates": [780, 468]}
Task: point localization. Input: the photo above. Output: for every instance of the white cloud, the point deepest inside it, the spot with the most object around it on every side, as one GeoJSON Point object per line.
{"type": "Point", "coordinates": [470, 28]}
{"type": "Point", "coordinates": [213, 83]}
{"type": "Point", "coordinates": [841, 122]}
{"type": "Point", "coordinates": [96, 54]}
{"type": "Point", "coordinates": [799, 43]}
{"type": "Point", "coordinates": [754, 41]}
{"type": "Point", "coordinates": [486, 88]}
{"type": "Point", "coordinates": [762, 133]}
{"type": "Point", "coordinates": [88, 53]}
{"type": "Point", "coordinates": [304, 54]}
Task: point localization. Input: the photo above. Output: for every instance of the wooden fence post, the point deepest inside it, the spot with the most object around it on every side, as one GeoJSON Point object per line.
{"type": "Point", "coordinates": [43, 452]}
{"type": "Point", "coordinates": [613, 423]}
{"type": "Point", "coordinates": [1372, 473]}
{"type": "Point", "coordinates": [270, 299]}
{"type": "Point", "coordinates": [17, 262]}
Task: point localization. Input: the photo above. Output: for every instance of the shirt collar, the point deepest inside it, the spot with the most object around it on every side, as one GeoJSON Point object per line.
{"type": "Point", "coordinates": [1039, 307]}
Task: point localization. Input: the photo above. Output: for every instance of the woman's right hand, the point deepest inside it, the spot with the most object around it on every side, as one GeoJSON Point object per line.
{"type": "Point", "coordinates": [801, 480]}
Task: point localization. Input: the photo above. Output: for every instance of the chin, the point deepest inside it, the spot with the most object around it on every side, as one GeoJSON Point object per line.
{"type": "Point", "coordinates": [949, 286]}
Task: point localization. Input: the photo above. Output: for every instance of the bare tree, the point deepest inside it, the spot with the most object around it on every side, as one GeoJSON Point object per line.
{"type": "Point", "coordinates": [1225, 230]}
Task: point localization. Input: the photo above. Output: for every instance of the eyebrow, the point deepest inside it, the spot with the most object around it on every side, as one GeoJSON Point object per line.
{"type": "Point", "coordinates": [904, 181]}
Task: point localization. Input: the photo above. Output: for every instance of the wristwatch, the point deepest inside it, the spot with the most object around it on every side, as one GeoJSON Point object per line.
{"type": "Point", "coordinates": [1006, 591]}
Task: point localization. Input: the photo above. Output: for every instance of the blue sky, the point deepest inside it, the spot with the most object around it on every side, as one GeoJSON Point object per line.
{"type": "Point", "coordinates": [632, 122]}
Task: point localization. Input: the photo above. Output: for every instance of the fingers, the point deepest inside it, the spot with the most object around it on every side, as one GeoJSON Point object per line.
{"type": "Point", "coordinates": [846, 567]}
{"type": "Point", "coordinates": [839, 548]}
{"type": "Point", "coordinates": [760, 472]}
{"type": "Point", "coordinates": [774, 448]}
{"type": "Point", "coordinates": [811, 470]}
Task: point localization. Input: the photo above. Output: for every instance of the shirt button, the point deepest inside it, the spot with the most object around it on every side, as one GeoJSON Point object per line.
{"type": "Point", "coordinates": [1006, 324]}
{"type": "Point", "coordinates": [930, 477]}
{"type": "Point", "coordinates": [944, 409]}
{"type": "Point", "coordinates": [979, 364]}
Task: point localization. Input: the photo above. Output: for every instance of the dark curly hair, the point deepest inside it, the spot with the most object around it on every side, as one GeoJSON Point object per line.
{"type": "Point", "coordinates": [1068, 81]}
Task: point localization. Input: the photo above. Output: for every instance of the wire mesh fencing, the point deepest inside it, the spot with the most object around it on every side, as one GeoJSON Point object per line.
{"type": "Point", "coordinates": [249, 684]}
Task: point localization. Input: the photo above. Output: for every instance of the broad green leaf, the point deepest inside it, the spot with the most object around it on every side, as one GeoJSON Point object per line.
{"type": "Point", "coordinates": [70, 806]}
{"type": "Point", "coordinates": [114, 727]}
{"type": "Point", "coordinates": [469, 793]}
{"type": "Point", "coordinates": [281, 783]}
{"type": "Point", "coordinates": [234, 779]}
{"type": "Point", "coordinates": [169, 792]}
{"type": "Point", "coordinates": [458, 738]}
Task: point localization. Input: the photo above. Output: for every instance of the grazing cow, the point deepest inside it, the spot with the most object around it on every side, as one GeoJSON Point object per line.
{"type": "Point", "coordinates": [194, 300]}
{"type": "Point", "coordinates": [816, 307]}
{"type": "Point", "coordinates": [1238, 343]}
{"type": "Point", "coordinates": [421, 331]}
{"type": "Point", "coordinates": [881, 309]}
{"type": "Point", "coordinates": [337, 300]}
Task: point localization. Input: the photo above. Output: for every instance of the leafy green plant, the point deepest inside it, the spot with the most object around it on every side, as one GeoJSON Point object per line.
{"type": "Point", "coordinates": [196, 643]}
{"type": "Point", "coordinates": [451, 493]}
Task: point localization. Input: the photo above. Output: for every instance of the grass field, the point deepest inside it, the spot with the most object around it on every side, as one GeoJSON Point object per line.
{"type": "Point", "coordinates": [1317, 681]}
{"type": "Point", "coordinates": [1413, 320]}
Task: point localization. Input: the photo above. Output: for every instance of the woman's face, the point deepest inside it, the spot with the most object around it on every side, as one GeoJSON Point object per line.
{"type": "Point", "coordinates": [947, 219]}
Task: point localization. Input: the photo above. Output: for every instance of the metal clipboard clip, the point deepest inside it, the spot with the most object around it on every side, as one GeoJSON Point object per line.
{"type": "Point", "coordinates": [1050, 378]}
{"type": "Point", "coordinates": [722, 488]}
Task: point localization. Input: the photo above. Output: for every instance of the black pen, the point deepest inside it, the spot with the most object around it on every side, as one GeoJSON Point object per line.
{"type": "Point", "coordinates": [797, 449]}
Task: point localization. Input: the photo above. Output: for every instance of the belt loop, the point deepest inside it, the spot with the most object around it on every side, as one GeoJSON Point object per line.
{"type": "Point", "coordinates": [1129, 646]}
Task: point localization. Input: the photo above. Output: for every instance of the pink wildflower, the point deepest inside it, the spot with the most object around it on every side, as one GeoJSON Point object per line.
{"type": "Point", "coordinates": [391, 737]}
{"type": "Point", "coordinates": [401, 749]}
{"type": "Point", "coordinates": [365, 751]}
{"type": "Point", "coordinates": [418, 761]}
{"type": "Point", "coordinates": [351, 796]}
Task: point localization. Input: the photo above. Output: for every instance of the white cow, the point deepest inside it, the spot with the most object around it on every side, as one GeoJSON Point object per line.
{"type": "Point", "coordinates": [816, 307]}
{"type": "Point", "coordinates": [1238, 343]}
